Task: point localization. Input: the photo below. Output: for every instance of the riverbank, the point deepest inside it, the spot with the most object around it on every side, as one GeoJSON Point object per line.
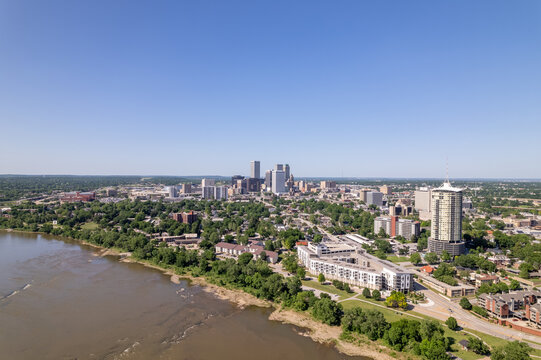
{"type": "Point", "coordinates": [326, 334]}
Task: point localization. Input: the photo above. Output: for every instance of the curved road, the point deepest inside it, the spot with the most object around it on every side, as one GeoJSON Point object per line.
{"type": "Point", "coordinates": [443, 308]}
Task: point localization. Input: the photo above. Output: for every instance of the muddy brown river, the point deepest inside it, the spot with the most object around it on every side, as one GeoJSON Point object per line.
{"type": "Point", "coordinates": [59, 300]}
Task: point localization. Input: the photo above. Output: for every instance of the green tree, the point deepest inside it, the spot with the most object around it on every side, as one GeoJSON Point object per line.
{"type": "Point", "coordinates": [431, 258]}
{"type": "Point", "coordinates": [245, 258]}
{"type": "Point", "coordinates": [304, 300]}
{"type": "Point", "coordinates": [415, 258]}
{"type": "Point", "coordinates": [479, 310]}
{"type": "Point", "coordinates": [512, 351]}
{"type": "Point", "coordinates": [478, 346]}
{"type": "Point", "coordinates": [301, 272]}
{"type": "Point", "coordinates": [514, 285]}
{"type": "Point", "coordinates": [376, 295]}
{"type": "Point", "coordinates": [525, 269]}
{"type": "Point", "coordinates": [451, 323]}
{"type": "Point", "coordinates": [465, 304]}
{"type": "Point", "coordinates": [321, 278]}
{"type": "Point", "coordinates": [445, 256]}
{"type": "Point", "coordinates": [294, 285]}
{"type": "Point", "coordinates": [372, 323]}
{"type": "Point", "coordinates": [327, 311]}
{"type": "Point", "coordinates": [396, 300]}
{"type": "Point", "coordinates": [366, 293]}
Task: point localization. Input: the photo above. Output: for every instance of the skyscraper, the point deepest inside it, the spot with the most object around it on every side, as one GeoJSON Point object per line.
{"type": "Point", "coordinates": [286, 169]}
{"type": "Point", "coordinates": [423, 199]}
{"type": "Point", "coordinates": [446, 227]}
{"type": "Point", "coordinates": [172, 191]}
{"type": "Point", "coordinates": [278, 182]}
{"type": "Point", "coordinates": [254, 174]}
{"type": "Point", "coordinates": [207, 182]}
{"type": "Point", "coordinates": [279, 167]}
{"type": "Point", "coordinates": [268, 180]}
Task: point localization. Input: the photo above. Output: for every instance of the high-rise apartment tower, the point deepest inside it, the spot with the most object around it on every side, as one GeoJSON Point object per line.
{"type": "Point", "coordinates": [446, 227]}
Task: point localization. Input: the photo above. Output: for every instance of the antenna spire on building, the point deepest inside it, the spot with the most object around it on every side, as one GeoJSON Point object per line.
{"type": "Point", "coordinates": [447, 169]}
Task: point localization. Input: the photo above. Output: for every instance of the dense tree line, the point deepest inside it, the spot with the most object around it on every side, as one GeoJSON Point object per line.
{"type": "Point", "coordinates": [14, 187]}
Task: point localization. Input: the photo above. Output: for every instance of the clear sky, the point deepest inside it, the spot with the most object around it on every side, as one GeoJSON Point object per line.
{"type": "Point", "coordinates": [334, 88]}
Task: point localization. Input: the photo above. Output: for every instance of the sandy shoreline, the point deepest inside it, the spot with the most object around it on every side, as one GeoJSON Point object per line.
{"type": "Point", "coordinates": [326, 334]}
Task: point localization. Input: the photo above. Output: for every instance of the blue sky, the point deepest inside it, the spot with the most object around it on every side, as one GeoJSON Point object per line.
{"type": "Point", "coordinates": [334, 88]}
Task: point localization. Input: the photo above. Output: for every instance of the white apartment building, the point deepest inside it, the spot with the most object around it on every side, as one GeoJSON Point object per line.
{"type": "Point", "coordinates": [354, 266]}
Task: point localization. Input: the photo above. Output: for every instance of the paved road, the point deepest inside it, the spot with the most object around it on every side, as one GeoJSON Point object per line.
{"type": "Point", "coordinates": [444, 308]}
{"type": "Point", "coordinates": [318, 292]}
{"type": "Point", "coordinates": [441, 308]}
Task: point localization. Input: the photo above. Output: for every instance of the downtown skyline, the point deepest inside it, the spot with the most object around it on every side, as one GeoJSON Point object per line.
{"type": "Point", "coordinates": [366, 90]}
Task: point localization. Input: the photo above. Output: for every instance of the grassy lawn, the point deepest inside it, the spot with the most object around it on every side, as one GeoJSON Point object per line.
{"type": "Point", "coordinates": [89, 226]}
{"type": "Point", "coordinates": [328, 288]}
{"type": "Point", "coordinates": [398, 259]}
{"type": "Point", "coordinates": [389, 314]}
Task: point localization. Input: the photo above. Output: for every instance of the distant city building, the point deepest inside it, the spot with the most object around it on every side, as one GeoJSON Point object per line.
{"type": "Point", "coordinates": [268, 180]}
{"type": "Point", "coordinates": [279, 167]}
{"type": "Point", "coordinates": [374, 198]}
{"type": "Point", "coordinates": [207, 182]}
{"type": "Point", "coordinates": [172, 191]}
{"type": "Point", "coordinates": [287, 171]}
{"type": "Point", "coordinates": [185, 217]}
{"type": "Point", "coordinates": [327, 184]}
{"type": "Point", "coordinates": [423, 203]}
{"type": "Point", "coordinates": [386, 190]}
{"type": "Point", "coordinates": [235, 179]}
{"type": "Point", "coordinates": [207, 192]}
{"type": "Point", "coordinates": [186, 188]}
{"type": "Point", "coordinates": [363, 193]}
{"type": "Point", "coordinates": [290, 183]}
{"type": "Point", "coordinates": [189, 217]}
{"type": "Point", "coordinates": [394, 226]}
{"type": "Point", "coordinates": [278, 182]}
{"type": "Point", "coordinates": [254, 173]}
{"type": "Point", "coordinates": [242, 186]}
{"type": "Point", "coordinates": [78, 196]}
{"type": "Point", "coordinates": [446, 226]}
{"type": "Point", "coordinates": [399, 209]}
{"type": "Point", "coordinates": [111, 192]}
{"type": "Point", "coordinates": [220, 192]}
{"type": "Point", "coordinates": [253, 184]}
